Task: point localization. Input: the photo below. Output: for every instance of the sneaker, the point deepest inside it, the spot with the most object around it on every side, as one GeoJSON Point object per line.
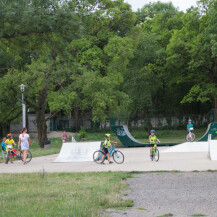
{"type": "Point", "coordinates": [111, 162]}
{"type": "Point", "coordinates": [102, 163]}
{"type": "Point", "coordinates": [12, 162]}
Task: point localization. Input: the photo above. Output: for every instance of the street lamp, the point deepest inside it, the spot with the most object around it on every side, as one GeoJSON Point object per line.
{"type": "Point", "coordinates": [22, 88]}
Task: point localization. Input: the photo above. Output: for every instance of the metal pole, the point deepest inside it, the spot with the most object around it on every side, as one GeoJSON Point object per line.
{"type": "Point", "coordinates": [24, 110]}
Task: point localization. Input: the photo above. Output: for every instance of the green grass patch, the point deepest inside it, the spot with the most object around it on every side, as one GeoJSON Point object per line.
{"type": "Point", "coordinates": [198, 215]}
{"type": "Point", "coordinates": [62, 194]}
{"type": "Point", "coordinates": [141, 208]}
{"type": "Point", "coordinates": [165, 215]}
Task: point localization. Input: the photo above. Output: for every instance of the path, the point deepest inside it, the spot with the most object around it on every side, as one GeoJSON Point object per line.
{"type": "Point", "coordinates": [136, 159]}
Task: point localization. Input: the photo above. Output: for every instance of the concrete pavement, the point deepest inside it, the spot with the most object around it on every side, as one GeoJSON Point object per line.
{"type": "Point", "coordinates": [136, 159]}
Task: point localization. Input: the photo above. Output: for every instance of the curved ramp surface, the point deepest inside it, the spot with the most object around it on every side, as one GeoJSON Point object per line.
{"type": "Point", "coordinates": [211, 129]}
{"type": "Point", "coordinates": [128, 140]}
{"type": "Point", "coordinates": [77, 151]}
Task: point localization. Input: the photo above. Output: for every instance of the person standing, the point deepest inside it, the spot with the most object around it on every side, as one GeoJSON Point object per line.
{"type": "Point", "coordinates": [24, 141]}
{"type": "Point", "coordinates": [64, 137]}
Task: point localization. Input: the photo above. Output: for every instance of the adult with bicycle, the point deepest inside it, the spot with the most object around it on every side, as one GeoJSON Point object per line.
{"type": "Point", "coordinates": [106, 145]}
{"type": "Point", "coordinates": [24, 141]}
{"type": "Point", "coordinates": [153, 142]}
{"type": "Point", "coordinates": [10, 142]}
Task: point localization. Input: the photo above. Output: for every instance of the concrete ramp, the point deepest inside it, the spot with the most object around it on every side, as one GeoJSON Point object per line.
{"type": "Point", "coordinates": [189, 147]}
{"type": "Point", "coordinates": [77, 151]}
{"type": "Point", "coordinates": [213, 149]}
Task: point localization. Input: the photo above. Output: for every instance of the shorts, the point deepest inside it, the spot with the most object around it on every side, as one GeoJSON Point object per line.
{"type": "Point", "coordinates": [105, 151]}
{"type": "Point", "coordinates": [152, 144]}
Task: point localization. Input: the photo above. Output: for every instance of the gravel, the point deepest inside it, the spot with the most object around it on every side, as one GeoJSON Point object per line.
{"type": "Point", "coordinates": [171, 194]}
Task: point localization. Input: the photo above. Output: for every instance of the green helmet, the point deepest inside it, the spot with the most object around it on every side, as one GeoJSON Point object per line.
{"type": "Point", "coordinates": [107, 135]}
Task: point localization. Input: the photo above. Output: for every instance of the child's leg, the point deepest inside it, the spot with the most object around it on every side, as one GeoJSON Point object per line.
{"type": "Point", "coordinates": [151, 149]}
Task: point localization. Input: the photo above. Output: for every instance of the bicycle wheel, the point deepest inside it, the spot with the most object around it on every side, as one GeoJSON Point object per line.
{"type": "Point", "coordinates": [156, 155]}
{"type": "Point", "coordinates": [28, 158]}
{"type": "Point", "coordinates": [97, 156]}
{"type": "Point", "coordinates": [7, 157]}
{"type": "Point", "coordinates": [190, 137]}
{"type": "Point", "coordinates": [118, 157]}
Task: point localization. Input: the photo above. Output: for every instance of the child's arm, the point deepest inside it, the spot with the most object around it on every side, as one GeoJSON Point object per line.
{"type": "Point", "coordinates": [158, 140]}
{"type": "Point", "coordinates": [19, 143]}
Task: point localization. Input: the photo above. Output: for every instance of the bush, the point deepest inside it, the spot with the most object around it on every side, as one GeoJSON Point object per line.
{"type": "Point", "coordinates": [82, 133]}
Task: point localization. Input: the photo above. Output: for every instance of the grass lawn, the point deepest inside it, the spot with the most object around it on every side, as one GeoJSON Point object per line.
{"type": "Point", "coordinates": [163, 135]}
{"type": "Point", "coordinates": [63, 194]}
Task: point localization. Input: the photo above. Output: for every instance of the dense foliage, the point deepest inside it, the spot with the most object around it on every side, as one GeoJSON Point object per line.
{"type": "Point", "coordinates": [99, 59]}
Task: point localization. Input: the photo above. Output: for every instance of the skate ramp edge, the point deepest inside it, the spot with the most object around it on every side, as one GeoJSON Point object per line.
{"type": "Point", "coordinates": [213, 149]}
{"type": "Point", "coordinates": [77, 152]}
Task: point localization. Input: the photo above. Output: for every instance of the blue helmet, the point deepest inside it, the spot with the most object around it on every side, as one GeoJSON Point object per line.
{"type": "Point", "coordinates": [152, 131]}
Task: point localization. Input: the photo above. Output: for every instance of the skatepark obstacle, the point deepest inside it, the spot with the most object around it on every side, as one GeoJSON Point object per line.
{"type": "Point", "coordinates": [77, 151]}
{"type": "Point", "coordinates": [128, 140]}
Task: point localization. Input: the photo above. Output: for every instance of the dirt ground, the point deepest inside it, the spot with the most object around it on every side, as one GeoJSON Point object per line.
{"type": "Point", "coordinates": [177, 194]}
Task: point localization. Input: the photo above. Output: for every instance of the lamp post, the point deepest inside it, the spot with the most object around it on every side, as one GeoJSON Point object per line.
{"type": "Point", "coordinates": [22, 88]}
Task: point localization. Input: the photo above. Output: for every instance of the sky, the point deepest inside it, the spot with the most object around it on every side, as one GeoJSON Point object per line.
{"type": "Point", "coordinates": [181, 4]}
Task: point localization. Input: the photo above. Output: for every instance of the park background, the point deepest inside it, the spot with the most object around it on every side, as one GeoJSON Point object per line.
{"type": "Point", "coordinates": [86, 62]}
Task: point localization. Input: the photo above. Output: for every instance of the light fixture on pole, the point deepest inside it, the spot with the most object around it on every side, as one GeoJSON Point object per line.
{"type": "Point", "coordinates": [22, 88]}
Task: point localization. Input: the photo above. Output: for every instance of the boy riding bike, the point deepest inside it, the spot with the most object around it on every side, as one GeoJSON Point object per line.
{"type": "Point", "coordinates": [190, 126]}
{"type": "Point", "coordinates": [106, 144]}
{"type": "Point", "coordinates": [153, 142]}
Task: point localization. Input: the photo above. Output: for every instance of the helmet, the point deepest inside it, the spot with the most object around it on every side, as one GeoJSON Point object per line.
{"type": "Point", "coordinates": [9, 135]}
{"type": "Point", "coordinates": [189, 120]}
{"type": "Point", "coordinates": [107, 135]}
{"type": "Point", "coordinates": [152, 131]}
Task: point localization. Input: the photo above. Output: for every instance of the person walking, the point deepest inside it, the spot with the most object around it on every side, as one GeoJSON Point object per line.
{"type": "Point", "coordinates": [24, 141]}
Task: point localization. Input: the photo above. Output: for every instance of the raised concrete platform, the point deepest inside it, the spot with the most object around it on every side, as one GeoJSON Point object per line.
{"type": "Point", "coordinates": [77, 151]}
{"type": "Point", "coordinates": [189, 147]}
{"type": "Point", "coordinates": [136, 159]}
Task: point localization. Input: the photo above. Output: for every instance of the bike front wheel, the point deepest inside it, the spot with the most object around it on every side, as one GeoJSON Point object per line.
{"type": "Point", "coordinates": [28, 157]}
{"type": "Point", "coordinates": [156, 155]}
{"type": "Point", "coordinates": [118, 157]}
{"type": "Point", "coordinates": [190, 137]}
{"type": "Point", "coordinates": [97, 156]}
{"type": "Point", "coordinates": [7, 157]}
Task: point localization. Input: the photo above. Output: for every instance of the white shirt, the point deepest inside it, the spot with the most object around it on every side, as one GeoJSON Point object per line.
{"type": "Point", "coordinates": [24, 139]}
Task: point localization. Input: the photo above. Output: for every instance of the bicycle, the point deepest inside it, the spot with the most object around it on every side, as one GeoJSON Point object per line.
{"type": "Point", "coordinates": [18, 153]}
{"type": "Point", "coordinates": [190, 136]}
{"type": "Point", "coordinates": [117, 156]}
{"type": "Point", "coordinates": [155, 153]}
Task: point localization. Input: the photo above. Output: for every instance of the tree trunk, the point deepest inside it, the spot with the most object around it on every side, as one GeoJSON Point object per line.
{"type": "Point", "coordinates": [41, 127]}
{"type": "Point", "coordinates": [5, 130]}
{"type": "Point", "coordinates": [76, 119]}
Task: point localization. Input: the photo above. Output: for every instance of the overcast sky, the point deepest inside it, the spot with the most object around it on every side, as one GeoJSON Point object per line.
{"type": "Point", "coordinates": [181, 4]}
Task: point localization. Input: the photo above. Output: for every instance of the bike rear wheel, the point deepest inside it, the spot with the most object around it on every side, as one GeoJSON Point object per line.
{"type": "Point", "coordinates": [28, 158]}
{"type": "Point", "coordinates": [156, 155]}
{"type": "Point", "coordinates": [190, 137]}
{"type": "Point", "coordinates": [97, 156]}
{"type": "Point", "coordinates": [118, 157]}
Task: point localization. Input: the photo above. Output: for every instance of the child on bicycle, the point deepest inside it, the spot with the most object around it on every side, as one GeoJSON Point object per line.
{"type": "Point", "coordinates": [106, 144]}
{"type": "Point", "coordinates": [153, 141]}
{"type": "Point", "coordinates": [10, 141]}
{"type": "Point", "coordinates": [190, 126]}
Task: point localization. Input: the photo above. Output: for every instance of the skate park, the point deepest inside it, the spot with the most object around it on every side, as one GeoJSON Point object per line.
{"type": "Point", "coordinates": [78, 156]}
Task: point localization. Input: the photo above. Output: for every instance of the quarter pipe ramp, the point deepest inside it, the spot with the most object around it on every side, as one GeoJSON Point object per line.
{"type": "Point", "coordinates": [128, 140]}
